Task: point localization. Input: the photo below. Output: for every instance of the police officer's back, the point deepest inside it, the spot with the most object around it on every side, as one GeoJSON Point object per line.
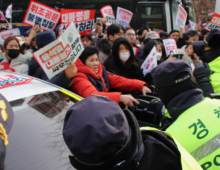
{"type": "Point", "coordinates": [103, 137]}
{"type": "Point", "coordinates": [192, 119]}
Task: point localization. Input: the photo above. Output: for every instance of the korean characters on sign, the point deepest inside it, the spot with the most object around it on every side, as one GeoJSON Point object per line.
{"type": "Point", "coordinates": [170, 47]}
{"type": "Point", "coordinates": [215, 22]}
{"type": "Point", "coordinates": [181, 17]}
{"type": "Point", "coordinates": [124, 16]}
{"type": "Point", "coordinates": [56, 57]}
{"type": "Point", "coordinates": [83, 19]}
{"type": "Point", "coordinates": [47, 17]}
{"type": "Point", "coordinates": [109, 14]}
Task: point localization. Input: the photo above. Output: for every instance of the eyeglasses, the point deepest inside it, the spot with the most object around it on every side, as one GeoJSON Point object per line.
{"type": "Point", "coordinates": [130, 34]}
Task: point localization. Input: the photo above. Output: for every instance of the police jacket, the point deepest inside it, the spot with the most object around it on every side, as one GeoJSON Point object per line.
{"type": "Point", "coordinates": [162, 151]}
{"type": "Point", "coordinates": [196, 126]}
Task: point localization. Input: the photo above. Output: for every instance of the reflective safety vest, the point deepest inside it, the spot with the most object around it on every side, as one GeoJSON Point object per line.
{"type": "Point", "coordinates": [198, 131]}
{"type": "Point", "coordinates": [215, 77]}
{"type": "Point", "coordinates": [187, 161]}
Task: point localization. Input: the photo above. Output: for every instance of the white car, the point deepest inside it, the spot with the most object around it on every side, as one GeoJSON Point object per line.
{"type": "Point", "coordinates": [35, 140]}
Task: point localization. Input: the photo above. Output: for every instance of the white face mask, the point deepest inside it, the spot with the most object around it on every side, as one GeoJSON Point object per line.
{"type": "Point", "coordinates": [159, 55]}
{"type": "Point", "coordinates": [124, 56]}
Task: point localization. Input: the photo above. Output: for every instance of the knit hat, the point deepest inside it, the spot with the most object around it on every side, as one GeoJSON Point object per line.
{"type": "Point", "coordinates": [45, 38]}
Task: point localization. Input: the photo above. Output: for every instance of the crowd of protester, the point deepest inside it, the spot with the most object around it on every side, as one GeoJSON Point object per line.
{"type": "Point", "coordinates": [110, 67]}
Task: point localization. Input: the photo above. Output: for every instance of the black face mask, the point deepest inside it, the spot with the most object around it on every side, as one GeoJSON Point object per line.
{"type": "Point", "coordinates": [13, 53]}
{"type": "Point", "coordinates": [210, 55]}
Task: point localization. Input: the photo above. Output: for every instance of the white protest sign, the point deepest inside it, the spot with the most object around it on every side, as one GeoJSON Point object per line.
{"type": "Point", "coordinates": [109, 14]}
{"type": "Point", "coordinates": [192, 25]}
{"type": "Point", "coordinates": [150, 62]}
{"type": "Point", "coordinates": [9, 33]}
{"type": "Point", "coordinates": [38, 13]}
{"type": "Point", "coordinates": [124, 16]}
{"type": "Point", "coordinates": [170, 46]}
{"type": "Point", "coordinates": [181, 17]}
{"type": "Point", "coordinates": [56, 57]}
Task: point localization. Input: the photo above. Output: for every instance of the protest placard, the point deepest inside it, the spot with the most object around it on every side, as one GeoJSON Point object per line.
{"type": "Point", "coordinates": [9, 33]}
{"type": "Point", "coordinates": [83, 19]}
{"type": "Point", "coordinates": [214, 23]}
{"type": "Point", "coordinates": [150, 62]}
{"type": "Point", "coordinates": [109, 14]}
{"type": "Point", "coordinates": [170, 46]}
{"type": "Point", "coordinates": [124, 16]}
{"type": "Point", "coordinates": [56, 56]}
{"type": "Point", "coordinates": [181, 17]}
{"type": "Point", "coordinates": [192, 25]}
{"type": "Point", "coordinates": [40, 13]}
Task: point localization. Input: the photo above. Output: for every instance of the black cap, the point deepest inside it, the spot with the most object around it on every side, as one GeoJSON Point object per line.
{"type": "Point", "coordinates": [165, 74]}
{"type": "Point", "coordinates": [6, 121]}
{"type": "Point", "coordinates": [212, 40]}
{"type": "Point", "coordinates": [95, 126]}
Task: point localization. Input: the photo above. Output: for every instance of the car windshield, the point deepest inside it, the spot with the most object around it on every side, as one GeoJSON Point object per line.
{"type": "Point", "coordinates": [36, 141]}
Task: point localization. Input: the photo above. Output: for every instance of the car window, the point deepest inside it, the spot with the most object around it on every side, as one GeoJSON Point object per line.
{"type": "Point", "coordinates": [36, 141]}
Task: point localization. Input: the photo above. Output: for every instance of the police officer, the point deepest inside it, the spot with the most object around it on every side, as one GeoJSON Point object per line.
{"type": "Point", "coordinates": [103, 137]}
{"type": "Point", "coordinates": [6, 122]}
{"type": "Point", "coordinates": [192, 119]}
{"type": "Point", "coordinates": [207, 74]}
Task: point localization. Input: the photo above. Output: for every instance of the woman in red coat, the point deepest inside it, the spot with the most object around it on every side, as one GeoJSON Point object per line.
{"type": "Point", "coordinates": [92, 78]}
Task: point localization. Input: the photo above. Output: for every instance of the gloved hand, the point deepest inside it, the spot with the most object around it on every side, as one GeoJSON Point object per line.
{"type": "Point", "coordinates": [202, 73]}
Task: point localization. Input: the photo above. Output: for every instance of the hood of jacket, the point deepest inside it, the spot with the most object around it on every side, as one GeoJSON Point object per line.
{"type": "Point", "coordinates": [84, 69]}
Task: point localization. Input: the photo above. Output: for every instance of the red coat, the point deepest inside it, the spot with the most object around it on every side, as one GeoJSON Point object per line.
{"type": "Point", "coordinates": [83, 87]}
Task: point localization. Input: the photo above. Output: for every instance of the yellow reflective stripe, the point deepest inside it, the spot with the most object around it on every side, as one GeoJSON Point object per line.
{"type": "Point", "coordinates": [207, 148]}
{"type": "Point", "coordinates": [167, 114]}
{"type": "Point", "coordinates": [205, 41]}
{"type": "Point", "coordinates": [4, 135]}
{"type": "Point", "coordinates": [71, 95]}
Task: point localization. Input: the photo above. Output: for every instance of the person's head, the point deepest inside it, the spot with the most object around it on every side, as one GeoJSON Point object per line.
{"type": "Point", "coordinates": [210, 45]}
{"type": "Point", "coordinates": [205, 33]}
{"type": "Point", "coordinates": [45, 38]}
{"type": "Point", "coordinates": [172, 78]}
{"type": "Point", "coordinates": [58, 31]}
{"type": "Point", "coordinates": [142, 32]}
{"type": "Point", "coordinates": [115, 31]}
{"type": "Point", "coordinates": [123, 52]}
{"type": "Point", "coordinates": [86, 40]}
{"type": "Point", "coordinates": [111, 135]}
{"type": "Point", "coordinates": [89, 58]}
{"type": "Point", "coordinates": [175, 34]}
{"type": "Point", "coordinates": [164, 35]}
{"type": "Point", "coordinates": [12, 47]}
{"type": "Point", "coordinates": [191, 49]}
{"type": "Point", "coordinates": [3, 29]}
{"type": "Point", "coordinates": [149, 46]}
{"type": "Point", "coordinates": [194, 35]}
{"type": "Point", "coordinates": [188, 38]}
{"type": "Point", "coordinates": [130, 35]}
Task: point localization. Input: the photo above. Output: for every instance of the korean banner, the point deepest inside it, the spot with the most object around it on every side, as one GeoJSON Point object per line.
{"type": "Point", "coordinates": [83, 19]}
{"type": "Point", "coordinates": [150, 62]}
{"type": "Point", "coordinates": [181, 17]}
{"type": "Point", "coordinates": [109, 14]}
{"type": "Point", "coordinates": [170, 46]}
{"type": "Point", "coordinates": [38, 13]}
{"type": "Point", "coordinates": [123, 16]}
{"type": "Point", "coordinates": [9, 33]}
{"type": "Point", "coordinates": [214, 23]}
{"type": "Point", "coordinates": [57, 56]}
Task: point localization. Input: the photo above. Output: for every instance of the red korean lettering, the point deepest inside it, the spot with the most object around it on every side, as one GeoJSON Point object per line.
{"type": "Point", "coordinates": [34, 8]}
{"type": "Point", "coordinates": [48, 14]}
{"type": "Point", "coordinates": [54, 17]}
{"type": "Point", "coordinates": [41, 11]}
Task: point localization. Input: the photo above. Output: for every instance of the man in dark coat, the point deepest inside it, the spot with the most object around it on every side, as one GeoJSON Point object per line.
{"type": "Point", "coordinates": [103, 137]}
{"type": "Point", "coordinates": [64, 78]}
